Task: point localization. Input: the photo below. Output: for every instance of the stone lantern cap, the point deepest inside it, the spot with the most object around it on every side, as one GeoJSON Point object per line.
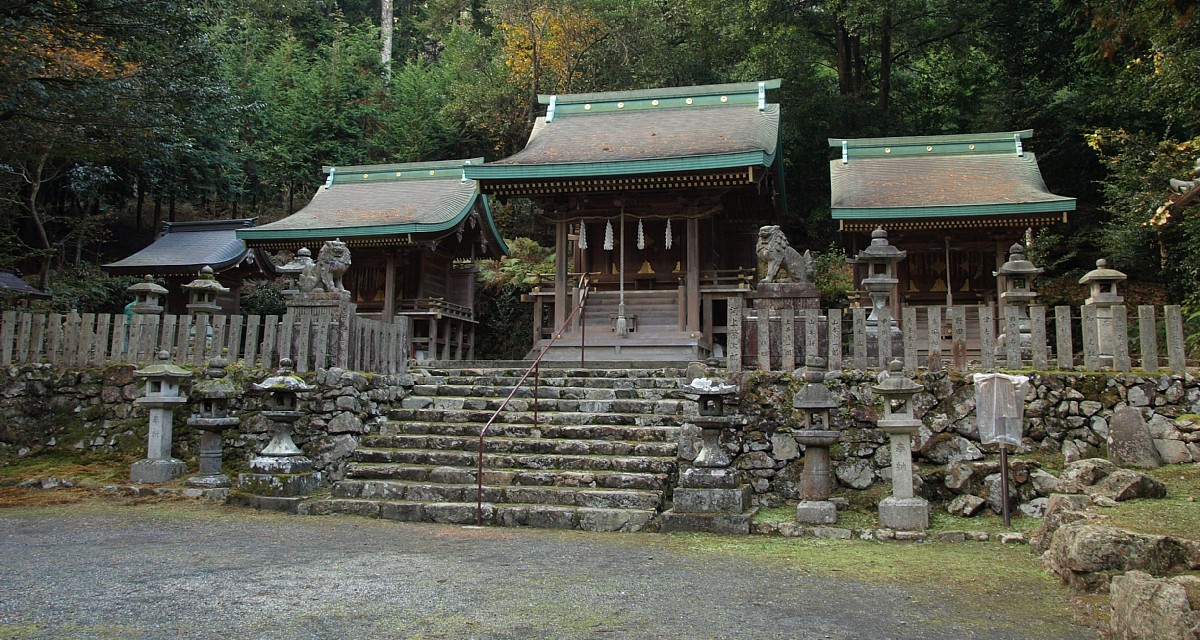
{"type": "Point", "coordinates": [1017, 265]}
{"type": "Point", "coordinates": [285, 381]}
{"type": "Point", "coordinates": [148, 286]}
{"type": "Point", "coordinates": [206, 282]}
{"type": "Point", "coordinates": [215, 385]}
{"type": "Point", "coordinates": [880, 250]}
{"type": "Point", "coordinates": [708, 387]}
{"type": "Point", "coordinates": [1102, 274]}
{"type": "Point", "coordinates": [296, 265]}
{"type": "Point", "coordinates": [163, 369]}
{"type": "Point", "coordinates": [893, 382]}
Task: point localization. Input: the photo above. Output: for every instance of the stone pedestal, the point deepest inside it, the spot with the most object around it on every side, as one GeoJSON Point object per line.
{"type": "Point", "coordinates": [332, 309]}
{"type": "Point", "coordinates": [902, 510]}
{"type": "Point", "coordinates": [904, 514]}
{"type": "Point", "coordinates": [816, 508]}
{"type": "Point", "coordinates": [210, 476]}
{"type": "Point", "coordinates": [786, 295]}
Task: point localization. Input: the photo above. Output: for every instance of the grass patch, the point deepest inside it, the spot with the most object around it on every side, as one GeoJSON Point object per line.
{"type": "Point", "coordinates": [939, 520]}
{"type": "Point", "coordinates": [85, 469]}
{"type": "Point", "coordinates": [1175, 515]}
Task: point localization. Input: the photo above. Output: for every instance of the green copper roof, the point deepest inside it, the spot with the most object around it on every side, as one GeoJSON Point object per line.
{"type": "Point", "coordinates": [384, 200]}
{"type": "Point", "coordinates": [647, 131]}
{"type": "Point", "coordinates": [938, 177]}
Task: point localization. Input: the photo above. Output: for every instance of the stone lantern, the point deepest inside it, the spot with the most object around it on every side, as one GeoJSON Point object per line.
{"type": "Point", "coordinates": [147, 297]}
{"type": "Point", "coordinates": [709, 497]}
{"type": "Point", "coordinates": [881, 259]}
{"type": "Point", "coordinates": [902, 510]}
{"type": "Point", "coordinates": [1018, 293]}
{"type": "Point", "coordinates": [214, 392]}
{"type": "Point", "coordinates": [1103, 284]}
{"type": "Point", "coordinates": [281, 470]}
{"type": "Point", "coordinates": [292, 270]}
{"type": "Point", "coordinates": [814, 402]}
{"type": "Point", "coordinates": [203, 292]}
{"type": "Point", "coordinates": [162, 395]}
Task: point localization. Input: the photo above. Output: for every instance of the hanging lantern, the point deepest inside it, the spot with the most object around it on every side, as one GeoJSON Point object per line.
{"type": "Point", "coordinates": [641, 240]}
{"type": "Point", "coordinates": [583, 235]}
{"type": "Point", "coordinates": [608, 236]}
{"type": "Point", "coordinates": [667, 244]}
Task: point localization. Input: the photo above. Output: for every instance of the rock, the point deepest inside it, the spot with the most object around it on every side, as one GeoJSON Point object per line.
{"type": "Point", "coordinates": [689, 442]}
{"type": "Point", "coordinates": [1127, 484]}
{"type": "Point", "coordinates": [1012, 538]}
{"type": "Point", "coordinates": [1074, 449]}
{"type": "Point", "coordinates": [994, 495]}
{"type": "Point", "coordinates": [1035, 508]}
{"type": "Point", "coordinates": [1172, 451]}
{"type": "Point", "coordinates": [1084, 556]}
{"type": "Point", "coordinates": [856, 474]}
{"type": "Point", "coordinates": [951, 536]}
{"type": "Point", "coordinates": [1088, 472]}
{"type": "Point", "coordinates": [346, 422]}
{"type": "Point", "coordinates": [1043, 482]}
{"type": "Point", "coordinates": [1129, 441]}
{"type": "Point", "coordinates": [965, 505]}
{"type": "Point", "coordinates": [1061, 510]}
{"type": "Point", "coordinates": [943, 449]}
{"type": "Point", "coordinates": [1149, 608]}
{"type": "Point", "coordinates": [783, 447]}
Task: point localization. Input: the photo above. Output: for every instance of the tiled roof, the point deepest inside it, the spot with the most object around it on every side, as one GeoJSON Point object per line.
{"type": "Point", "coordinates": [648, 131]}
{"type": "Point", "coordinates": [12, 283]}
{"type": "Point", "coordinates": [939, 176]}
{"type": "Point", "coordinates": [186, 247]}
{"type": "Point", "coordinates": [383, 200]}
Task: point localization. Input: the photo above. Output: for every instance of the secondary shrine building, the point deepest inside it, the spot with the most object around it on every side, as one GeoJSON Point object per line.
{"type": "Point", "coordinates": [656, 197]}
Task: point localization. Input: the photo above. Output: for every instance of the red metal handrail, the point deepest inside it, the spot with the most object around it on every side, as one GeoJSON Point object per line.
{"type": "Point", "coordinates": [584, 283]}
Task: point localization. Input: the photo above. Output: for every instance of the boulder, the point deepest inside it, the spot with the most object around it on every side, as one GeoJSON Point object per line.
{"type": "Point", "coordinates": [1035, 508]}
{"type": "Point", "coordinates": [1061, 510]}
{"type": "Point", "coordinates": [1149, 608]}
{"type": "Point", "coordinates": [1084, 556]}
{"type": "Point", "coordinates": [965, 505]}
{"type": "Point", "coordinates": [994, 495]}
{"type": "Point", "coordinates": [1127, 484]}
{"type": "Point", "coordinates": [945, 448]}
{"type": "Point", "coordinates": [1172, 451]}
{"type": "Point", "coordinates": [1129, 440]}
{"type": "Point", "coordinates": [1084, 473]}
{"type": "Point", "coordinates": [856, 474]}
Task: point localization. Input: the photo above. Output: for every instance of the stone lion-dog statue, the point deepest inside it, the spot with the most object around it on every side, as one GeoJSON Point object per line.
{"type": "Point", "coordinates": [325, 273]}
{"type": "Point", "coordinates": [775, 252]}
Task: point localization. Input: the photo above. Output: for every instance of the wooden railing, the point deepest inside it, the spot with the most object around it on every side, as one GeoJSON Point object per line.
{"type": "Point", "coordinates": [83, 340]}
{"type": "Point", "coordinates": [961, 338]}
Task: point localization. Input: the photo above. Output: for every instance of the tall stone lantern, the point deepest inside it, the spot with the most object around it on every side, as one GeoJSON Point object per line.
{"type": "Point", "coordinates": [215, 392]}
{"type": "Point", "coordinates": [1103, 284]}
{"type": "Point", "coordinates": [902, 510]}
{"type": "Point", "coordinates": [147, 297]}
{"type": "Point", "coordinates": [162, 395]}
{"type": "Point", "coordinates": [881, 259]}
{"type": "Point", "coordinates": [1018, 294]}
{"type": "Point", "coordinates": [203, 292]}
{"type": "Point", "coordinates": [814, 401]}
{"type": "Point", "coordinates": [292, 270]}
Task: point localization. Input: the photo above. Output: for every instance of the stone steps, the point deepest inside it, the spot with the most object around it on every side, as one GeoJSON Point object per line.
{"type": "Point", "coordinates": [602, 455]}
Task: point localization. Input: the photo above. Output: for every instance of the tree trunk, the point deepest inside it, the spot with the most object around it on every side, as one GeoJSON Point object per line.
{"type": "Point", "coordinates": [171, 208]}
{"type": "Point", "coordinates": [141, 199]}
{"type": "Point", "coordinates": [387, 24]}
{"type": "Point", "coordinates": [845, 78]}
{"type": "Point", "coordinates": [885, 66]}
{"type": "Point", "coordinates": [35, 185]}
{"type": "Point", "coordinates": [157, 214]}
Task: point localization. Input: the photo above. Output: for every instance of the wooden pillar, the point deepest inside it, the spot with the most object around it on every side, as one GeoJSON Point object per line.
{"type": "Point", "coordinates": [693, 274]}
{"type": "Point", "coordinates": [560, 274]}
{"type": "Point", "coordinates": [389, 287]}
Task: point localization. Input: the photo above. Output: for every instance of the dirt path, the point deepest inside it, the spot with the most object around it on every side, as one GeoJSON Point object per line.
{"type": "Point", "coordinates": [168, 571]}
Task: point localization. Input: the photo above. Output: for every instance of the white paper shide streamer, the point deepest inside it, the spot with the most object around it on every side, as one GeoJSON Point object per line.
{"type": "Point", "coordinates": [608, 236]}
{"type": "Point", "coordinates": [641, 240]}
{"type": "Point", "coordinates": [583, 235]}
{"type": "Point", "coordinates": [667, 244]}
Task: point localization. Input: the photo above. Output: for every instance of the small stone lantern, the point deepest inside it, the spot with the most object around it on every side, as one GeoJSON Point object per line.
{"type": "Point", "coordinates": [902, 510]}
{"type": "Point", "coordinates": [881, 259]}
{"type": "Point", "coordinates": [814, 402]}
{"type": "Point", "coordinates": [215, 392]}
{"type": "Point", "coordinates": [162, 395]}
{"type": "Point", "coordinates": [203, 292]}
{"type": "Point", "coordinates": [147, 297]}
{"type": "Point", "coordinates": [281, 475]}
{"type": "Point", "coordinates": [1018, 293]}
{"type": "Point", "coordinates": [1103, 284]}
{"type": "Point", "coordinates": [292, 270]}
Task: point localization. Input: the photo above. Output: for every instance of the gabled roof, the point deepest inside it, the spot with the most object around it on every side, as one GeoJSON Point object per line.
{"type": "Point", "coordinates": [186, 247]}
{"type": "Point", "coordinates": [12, 284]}
{"type": "Point", "coordinates": [666, 130]}
{"type": "Point", "coordinates": [379, 201]}
{"type": "Point", "coordinates": [950, 176]}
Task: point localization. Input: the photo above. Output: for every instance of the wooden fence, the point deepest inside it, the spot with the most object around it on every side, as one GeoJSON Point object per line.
{"type": "Point", "coordinates": [80, 340]}
{"type": "Point", "coordinates": [961, 338]}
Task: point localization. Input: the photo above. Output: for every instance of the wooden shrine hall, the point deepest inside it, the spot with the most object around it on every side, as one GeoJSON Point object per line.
{"type": "Point", "coordinates": [954, 203]}
{"type": "Point", "coordinates": [413, 231]}
{"type": "Point", "coordinates": [656, 197]}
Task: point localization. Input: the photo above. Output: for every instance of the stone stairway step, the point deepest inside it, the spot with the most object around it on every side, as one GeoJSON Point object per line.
{"type": "Point", "coordinates": [544, 417]}
{"type": "Point", "coordinates": [569, 432]}
{"type": "Point", "coordinates": [550, 381]}
{"type": "Point", "coordinates": [503, 476]}
{"type": "Point", "coordinates": [543, 461]}
{"type": "Point", "coordinates": [531, 515]}
{"type": "Point", "coordinates": [507, 444]}
{"type": "Point", "coordinates": [631, 402]}
{"type": "Point", "coordinates": [536, 494]}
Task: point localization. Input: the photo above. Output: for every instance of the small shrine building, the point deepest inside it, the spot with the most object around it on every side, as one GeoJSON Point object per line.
{"type": "Point", "coordinates": [656, 197]}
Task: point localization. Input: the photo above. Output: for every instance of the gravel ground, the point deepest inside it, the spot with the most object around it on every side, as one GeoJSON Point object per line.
{"type": "Point", "coordinates": [160, 571]}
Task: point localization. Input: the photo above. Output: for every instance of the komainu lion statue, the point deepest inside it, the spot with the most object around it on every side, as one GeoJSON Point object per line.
{"type": "Point", "coordinates": [325, 274]}
{"type": "Point", "coordinates": [775, 252]}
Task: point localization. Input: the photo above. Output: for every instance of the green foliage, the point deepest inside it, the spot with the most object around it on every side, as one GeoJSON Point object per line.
{"type": "Point", "coordinates": [505, 322]}
{"type": "Point", "coordinates": [263, 297]}
{"type": "Point", "coordinates": [86, 289]}
{"type": "Point", "coordinates": [834, 277]}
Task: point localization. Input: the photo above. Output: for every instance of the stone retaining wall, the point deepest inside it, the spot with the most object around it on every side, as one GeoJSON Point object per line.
{"type": "Point", "coordinates": [1066, 414]}
{"type": "Point", "coordinates": [92, 409]}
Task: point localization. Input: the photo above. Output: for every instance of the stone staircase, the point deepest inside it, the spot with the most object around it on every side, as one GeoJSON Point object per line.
{"type": "Point", "coordinates": [602, 456]}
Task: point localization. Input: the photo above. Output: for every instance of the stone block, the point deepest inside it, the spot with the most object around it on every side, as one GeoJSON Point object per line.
{"type": "Point", "coordinates": [269, 503]}
{"type": "Point", "coordinates": [1149, 608]}
{"type": "Point", "coordinates": [816, 512]}
{"type": "Point", "coordinates": [688, 500]}
{"type": "Point", "coordinates": [552, 517]}
{"type": "Point", "coordinates": [951, 536]}
{"type": "Point", "coordinates": [279, 485]}
{"type": "Point", "coordinates": [1172, 451]}
{"type": "Point", "coordinates": [156, 471]}
{"type": "Point", "coordinates": [708, 522]}
{"type": "Point", "coordinates": [1126, 484]}
{"type": "Point", "coordinates": [1129, 441]}
{"type": "Point", "coordinates": [614, 519]}
{"type": "Point", "coordinates": [834, 533]}
{"type": "Point", "coordinates": [706, 478]}
{"type": "Point", "coordinates": [904, 514]}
